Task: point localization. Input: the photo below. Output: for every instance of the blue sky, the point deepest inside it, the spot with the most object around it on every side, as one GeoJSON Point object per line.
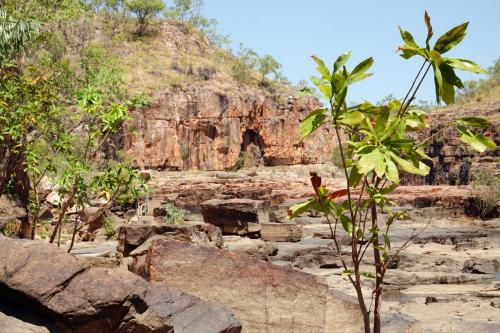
{"type": "Point", "coordinates": [293, 30]}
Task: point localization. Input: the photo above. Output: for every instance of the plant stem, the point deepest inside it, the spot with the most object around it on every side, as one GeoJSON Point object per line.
{"type": "Point", "coordinates": [412, 85]}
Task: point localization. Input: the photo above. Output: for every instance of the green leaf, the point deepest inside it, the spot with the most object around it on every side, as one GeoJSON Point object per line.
{"type": "Point", "coordinates": [360, 77]}
{"type": "Point", "coordinates": [322, 69]}
{"type": "Point", "coordinates": [409, 167]}
{"type": "Point", "coordinates": [408, 51]}
{"type": "Point", "coordinates": [373, 160]}
{"type": "Point", "coordinates": [324, 87]}
{"type": "Point", "coordinates": [368, 275]}
{"type": "Point", "coordinates": [450, 76]}
{"type": "Point", "coordinates": [476, 140]}
{"type": "Point", "coordinates": [381, 122]}
{"type": "Point", "coordinates": [465, 65]}
{"type": "Point", "coordinates": [450, 39]}
{"type": "Point", "coordinates": [346, 223]}
{"type": "Point", "coordinates": [352, 118]}
{"type": "Point", "coordinates": [300, 208]}
{"type": "Point", "coordinates": [313, 121]}
{"type": "Point", "coordinates": [392, 171]}
{"type": "Point", "coordinates": [407, 38]}
{"type": "Point", "coordinates": [387, 241]}
{"type": "Point", "coordinates": [363, 66]}
{"type": "Point", "coordinates": [347, 272]}
{"type": "Point", "coordinates": [341, 61]}
{"type": "Point", "coordinates": [438, 82]}
{"type": "Point", "coordinates": [428, 24]}
{"type": "Point", "coordinates": [474, 121]}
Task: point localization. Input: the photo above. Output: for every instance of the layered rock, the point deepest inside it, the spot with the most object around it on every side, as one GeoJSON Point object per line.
{"type": "Point", "coordinates": [453, 162]}
{"type": "Point", "coordinates": [199, 128]}
{"type": "Point", "coordinates": [76, 298]}
{"type": "Point", "coordinates": [265, 297]}
{"type": "Point", "coordinates": [236, 216]}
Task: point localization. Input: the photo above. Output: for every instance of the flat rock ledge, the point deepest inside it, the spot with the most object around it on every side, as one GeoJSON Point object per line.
{"type": "Point", "coordinates": [265, 297]}
{"type": "Point", "coordinates": [48, 282]}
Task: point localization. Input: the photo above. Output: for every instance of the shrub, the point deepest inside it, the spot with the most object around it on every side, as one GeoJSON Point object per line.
{"type": "Point", "coordinates": [484, 195]}
{"type": "Point", "coordinates": [173, 214]}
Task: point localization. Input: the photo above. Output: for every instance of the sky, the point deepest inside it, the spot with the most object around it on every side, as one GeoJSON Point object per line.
{"type": "Point", "coordinates": [293, 30]}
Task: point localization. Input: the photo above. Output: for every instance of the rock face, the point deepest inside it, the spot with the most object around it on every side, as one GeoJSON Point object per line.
{"type": "Point", "coordinates": [453, 162]}
{"type": "Point", "coordinates": [198, 128]}
{"type": "Point", "coordinates": [236, 216]}
{"type": "Point", "coordinates": [78, 299]}
{"type": "Point", "coordinates": [265, 297]}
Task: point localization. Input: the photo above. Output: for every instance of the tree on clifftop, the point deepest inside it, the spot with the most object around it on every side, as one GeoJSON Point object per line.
{"type": "Point", "coordinates": [267, 64]}
{"type": "Point", "coordinates": [144, 10]}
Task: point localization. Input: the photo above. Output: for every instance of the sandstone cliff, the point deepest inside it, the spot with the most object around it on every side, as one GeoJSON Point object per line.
{"type": "Point", "coordinates": [199, 128]}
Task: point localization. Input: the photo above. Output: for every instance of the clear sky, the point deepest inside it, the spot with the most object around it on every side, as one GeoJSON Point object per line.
{"type": "Point", "coordinates": [293, 30]}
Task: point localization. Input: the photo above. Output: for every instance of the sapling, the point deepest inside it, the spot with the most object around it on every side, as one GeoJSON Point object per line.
{"type": "Point", "coordinates": [374, 148]}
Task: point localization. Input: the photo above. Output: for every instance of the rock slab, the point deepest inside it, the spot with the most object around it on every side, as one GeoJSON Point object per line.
{"type": "Point", "coordinates": [236, 216]}
{"type": "Point", "coordinates": [76, 298]}
{"type": "Point", "coordinates": [265, 297]}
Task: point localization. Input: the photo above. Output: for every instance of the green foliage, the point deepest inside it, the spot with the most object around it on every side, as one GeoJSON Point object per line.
{"type": "Point", "coordinates": [47, 11]}
{"type": "Point", "coordinates": [266, 65]}
{"type": "Point", "coordinates": [375, 147]}
{"type": "Point", "coordinates": [145, 10]}
{"type": "Point", "coordinates": [174, 214]}
{"type": "Point", "coordinates": [15, 35]}
{"type": "Point", "coordinates": [107, 225]}
{"type": "Point", "coordinates": [485, 192]}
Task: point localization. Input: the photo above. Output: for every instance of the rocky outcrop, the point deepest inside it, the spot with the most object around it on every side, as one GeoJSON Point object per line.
{"type": "Point", "coordinates": [76, 298]}
{"type": "Point", "coordinates": [265, 297]}
{"type": "Point", "coordinates": [198, 128]}
{"type": "Point", "coordinates": [453, 162]}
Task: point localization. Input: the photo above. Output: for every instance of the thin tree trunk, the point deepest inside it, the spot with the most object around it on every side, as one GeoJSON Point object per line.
{"type": "Point", "coordinates": [378, 270]}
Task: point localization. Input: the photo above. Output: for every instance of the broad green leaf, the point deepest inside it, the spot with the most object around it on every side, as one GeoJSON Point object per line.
{"type": "Point", "coordinates": [381, 122]}
{"type": "Point", "coordinates": [392, 171]}
{"type": "Point", "coordinates": [370, 161]}
{"type": "Point", "coordinates": [346, 224]}
{"type": "Point", "coordinates": [476, 140]}
{"type": "Point", "coordinates": [380, 166]}
{"type": "Point", "coordinates": [363, 66]}
{"type": "Point", "coordinates": [360, 77]}
{"type": "Point", "coordinates": [448, 92]}
{"type": "Point", "coordinates": [409, 51]}
{"type": "Point", "coordinates": [450, 39]}
{"type": "Point", "coordinates": [300, 208]}
{"type": "Point", "coordinates": [408, 166]}
{"type": "Point", "coordinates": [465, 65]}
{"type": "Point", "coordinates": [407, 38]}
{"type": "Point", "coordinates": [449, 76]}
{"type": "Point", "coordinates": [313, 121]}
{"type": "Point", "coordinates": [394, 104]}
{"type": "Point", "coordinates": [322, 69]}
{"type": "Point", "coordinates": [341, 61]}
{"type": "Point", "coordinates": [352, 118]}
{"type": "Point", "coordinates": [323, 86]}
{"type": "Point", "coordinates": [474, 121]}
{"type": "Point", "coordinates": [428, 24]}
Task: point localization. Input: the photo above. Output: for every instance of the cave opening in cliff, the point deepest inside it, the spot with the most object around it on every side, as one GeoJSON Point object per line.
{"type": "Point", "coordinates": [253, 146]}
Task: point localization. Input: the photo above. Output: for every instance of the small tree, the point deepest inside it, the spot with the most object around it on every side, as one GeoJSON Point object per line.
{"type": "Point", "coordinates": [266, 65]}
{"type": "Point", "coordinates": [145, 10]}
{"type": "Point", "coordinates": [378, 149]}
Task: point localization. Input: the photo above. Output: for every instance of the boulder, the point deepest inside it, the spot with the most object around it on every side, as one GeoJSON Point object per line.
{"type": "Point", "coordinates": [252, 247]}
{"type": "Point", "coordinates": [11, 208]}
{"type": "Point", "coordinates": [131, 236]}
{"type": "Point", "coordinates": [76, 298]}
{"type": "Point", "coordinates": [281, 232]}
{"type": "Point", "coordinates": [11, 324]}
{"type": "Point", "coordinates": [265, 297]}
{"type": "Point", "coordinates": [236, 216]}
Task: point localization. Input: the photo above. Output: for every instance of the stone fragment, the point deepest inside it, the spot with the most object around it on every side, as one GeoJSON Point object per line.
{"type": "Point", "coordinates": [495, 302]}
{"type": "Point", "coordinates": [281, 232]}
{"type": "Point", "coordinates": [236, 216]}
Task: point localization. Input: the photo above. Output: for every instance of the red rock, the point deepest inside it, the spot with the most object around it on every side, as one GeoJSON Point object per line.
{"type": "Point", "coordinates": [198, 128]}
{"type": "Point", "coordinates": [265, 297]}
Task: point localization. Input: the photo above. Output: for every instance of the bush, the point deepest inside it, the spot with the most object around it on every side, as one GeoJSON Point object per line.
{"type": "Point", "coordinates": [107, 225]}
{"type": "Point", "coordinates": [484, 195]}
{"type": "Point", "coordinates": [173, 214]}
